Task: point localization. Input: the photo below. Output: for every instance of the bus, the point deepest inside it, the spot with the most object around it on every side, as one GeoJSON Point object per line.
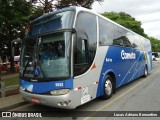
{"type": "Point", "coordinates": [74, 55]}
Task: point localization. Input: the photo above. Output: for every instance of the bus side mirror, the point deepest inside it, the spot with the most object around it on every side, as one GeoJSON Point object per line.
{"type": "Point", "coordinates": [13, 43]}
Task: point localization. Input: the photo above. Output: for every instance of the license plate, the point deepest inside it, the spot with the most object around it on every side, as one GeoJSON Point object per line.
{"type": "Point", "coordinates": [36, 100]}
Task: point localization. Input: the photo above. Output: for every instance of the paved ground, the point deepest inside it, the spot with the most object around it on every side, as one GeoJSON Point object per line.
{"type": "Point", "coordinates": [6, 102]}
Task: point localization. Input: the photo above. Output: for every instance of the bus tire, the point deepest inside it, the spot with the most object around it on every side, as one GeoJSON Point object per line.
{"type": "Point", "coordinates": [145, 72]}
{"type": "Point", "coordinates": [108, 87]}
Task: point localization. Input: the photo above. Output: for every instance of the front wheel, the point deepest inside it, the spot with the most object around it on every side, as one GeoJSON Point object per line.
{"type": "Point", "coordinates": [108, 87]}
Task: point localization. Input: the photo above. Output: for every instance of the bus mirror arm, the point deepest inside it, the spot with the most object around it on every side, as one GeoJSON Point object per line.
{"type": "Point", "coordinates": [13, 42]}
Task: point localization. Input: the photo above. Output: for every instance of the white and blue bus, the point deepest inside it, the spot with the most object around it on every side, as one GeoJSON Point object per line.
{"type": "Point", "coordinates": [74, 55]}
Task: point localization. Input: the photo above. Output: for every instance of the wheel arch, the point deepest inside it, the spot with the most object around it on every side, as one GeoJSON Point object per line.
{"type": "Point", "coordinates": [102, 80]}
{"type": "Point", "coordinates": [113, 80]}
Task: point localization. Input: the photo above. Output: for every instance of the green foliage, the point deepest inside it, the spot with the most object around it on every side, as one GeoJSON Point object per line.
{"type": "Point", "coordinates": [129, 22]}
{"type": "Point", "coordinates": [82, 3]}
{"type": "Point", "coordinates": [125, 20]}
{"type": "Point", "coordinates": [155, 44]}
{"type": "Point", "coordinates": [11, 81]}
{"type": "Point", "coordinates": [14, 16]}
{"type": "Point", "coordinates": [48, 5]}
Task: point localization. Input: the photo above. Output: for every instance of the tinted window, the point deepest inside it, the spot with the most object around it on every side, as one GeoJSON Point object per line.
{"type": "Point", "coordinates": [121, 36]}
{"type": "Point", "coordinates": [146, 44]}
{"type": "Point", "coordinates": [130, 36]}
{"type": "Point", "coordinates": [51, 23]}
{"type": "Point", "coordinates": [138, 42]}
{"type": "Point", "coordinates": [106, 32]}
{"type": "Point", "coordinates": [126, 42]}
{"type": "Point", "coordinates": [118, 42]}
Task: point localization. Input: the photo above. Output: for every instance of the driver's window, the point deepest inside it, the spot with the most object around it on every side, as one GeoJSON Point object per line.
{"type": "Point", "coordinates": [81, 57]}
{"type": "Point", "coordinates": [81, 53]}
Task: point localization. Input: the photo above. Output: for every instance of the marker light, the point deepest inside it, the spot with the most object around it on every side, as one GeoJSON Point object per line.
{"type": "Point", "coordinates": [60, 92]}
{"type": "Point", "coordinates": [21, 88]}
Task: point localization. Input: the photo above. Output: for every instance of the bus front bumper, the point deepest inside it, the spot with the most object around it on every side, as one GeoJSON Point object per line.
{"type": "Point", "coordinates": [60, 101]}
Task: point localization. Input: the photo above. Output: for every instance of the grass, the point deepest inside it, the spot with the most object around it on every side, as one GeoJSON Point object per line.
{"type": "Point", "coordinates": [8, 72]}
{"type": "Point", "coordinates": [11, 81]}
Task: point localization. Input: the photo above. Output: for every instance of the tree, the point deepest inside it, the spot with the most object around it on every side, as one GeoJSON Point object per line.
{"type": "Point", "coordinates": [155, 44]}
{"type": "Point", "coordinates": [129, 22]}
{"type": "Point", "coordinates": [126, 20]}
{"type": "Point", "coordinates": [14, 16]}
{"type": "Point", "coordinates": [82, 3]}
{"type": "Point", "coordinates": [51, 5]}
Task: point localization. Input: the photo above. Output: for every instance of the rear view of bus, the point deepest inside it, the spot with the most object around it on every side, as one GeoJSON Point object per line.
{"type": "Point", "coordinates": [73, 55]}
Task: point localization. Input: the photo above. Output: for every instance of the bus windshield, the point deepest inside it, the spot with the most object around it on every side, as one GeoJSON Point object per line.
{"type": "Point", "coordinates": [45, 52]}
{"type": "Point", "coordinates": [51, 23]}
{"type": "Point", "coordinates": [49, 54]}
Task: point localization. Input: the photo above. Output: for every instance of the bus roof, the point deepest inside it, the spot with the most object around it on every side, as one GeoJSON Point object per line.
{"type": "Point", "coordinates": [77, 9]}
{"type": "Point", "coordinates": [55, 12]}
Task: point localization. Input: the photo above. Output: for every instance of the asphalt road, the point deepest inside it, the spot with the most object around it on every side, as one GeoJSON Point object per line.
{"type": "Point", "coordinates": [142, 94]}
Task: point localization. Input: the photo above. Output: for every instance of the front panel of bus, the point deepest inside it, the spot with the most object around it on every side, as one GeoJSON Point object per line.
{"type": "Point", "coordinates": [45, 73]}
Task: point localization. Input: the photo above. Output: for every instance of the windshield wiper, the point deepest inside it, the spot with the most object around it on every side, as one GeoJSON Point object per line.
{"type": "Point", "coordinates": [25, 67]}
{"type": "Point", "coordinates": [37, 62]}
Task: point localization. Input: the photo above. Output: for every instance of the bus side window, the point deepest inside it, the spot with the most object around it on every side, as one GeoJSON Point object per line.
{"type": "Point", "coordinates": [106, 32]}
{"type": "Point", "coordinates": [126, 42]}
{"type": "Point", "coordinates": [138, 42]}
{"type": "Point", "coordinates": [118, 42]}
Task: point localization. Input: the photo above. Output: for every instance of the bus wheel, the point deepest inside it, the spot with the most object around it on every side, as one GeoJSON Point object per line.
{"type": "Point", "coordinates": [108, 87]}
{"type": "Point", "coordinates": [145, 72]}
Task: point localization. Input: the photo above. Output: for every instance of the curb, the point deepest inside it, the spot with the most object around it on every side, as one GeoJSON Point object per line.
{"type": "Point", "coordinates": [11, 90]}
{"type": "Point", "coordinates": [13, 106]}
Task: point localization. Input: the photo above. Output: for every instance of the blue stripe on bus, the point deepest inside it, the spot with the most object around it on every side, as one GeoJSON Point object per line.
{"type": "Point", "coordinates": [125, 70]}
{"type": "Point", "coordinates": [129, 70]}
{"type": "Point", "coordinates": [139, 70]}
{"type": "Point", "coordinates": [44, 87]}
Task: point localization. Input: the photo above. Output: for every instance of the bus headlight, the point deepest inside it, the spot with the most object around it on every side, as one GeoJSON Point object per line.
{"type": "Point", "coordinates": [60, 92]}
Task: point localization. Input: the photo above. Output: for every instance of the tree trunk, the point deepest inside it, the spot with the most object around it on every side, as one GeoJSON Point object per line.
{"type": "Point", "coordinates": [10, 50]}
{"type": "Point", "coordinates": [46, 10]}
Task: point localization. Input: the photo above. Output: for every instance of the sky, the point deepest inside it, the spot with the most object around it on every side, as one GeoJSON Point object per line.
{"type": "Point", "coordinates": [146, 11]}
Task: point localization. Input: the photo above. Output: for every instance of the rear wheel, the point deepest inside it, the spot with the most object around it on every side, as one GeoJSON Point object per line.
{"type": "Point", "coordinates": [108, 87]}
{"type": "Point", "coordinates": [145, 72]}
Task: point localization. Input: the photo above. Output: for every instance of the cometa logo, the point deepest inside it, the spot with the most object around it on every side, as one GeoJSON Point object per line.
{"type": "Point", "coordinates": [125, 55]}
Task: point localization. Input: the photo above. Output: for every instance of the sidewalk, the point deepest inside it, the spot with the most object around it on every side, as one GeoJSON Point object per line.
{"type": "Point", "coordinates": [13, 98]}
{"type": "Point", "coordinates": [6, 76]}
{"type": "Point", "coordinates": [10, 102]}
{"type": "Point", "coordinates": [8, 90]}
